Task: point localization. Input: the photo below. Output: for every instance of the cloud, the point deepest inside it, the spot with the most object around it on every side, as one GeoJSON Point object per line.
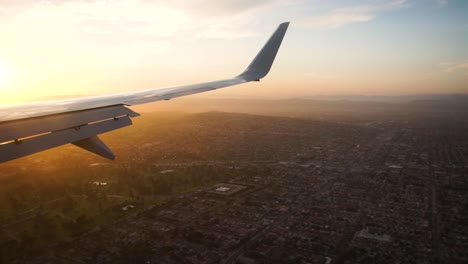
{"type": "Point", "coordinates": [145, 20]}
{"type": "Point", "coordinates": [5, 11]}
{"type": "Point", "coordinates": [230, 19]}
{"type": "Point", "coordinates": [29, 3]}
{"type": "Point", "coordinates": [219, 8]}
{"type": "Point", "coordinates": [455, 67]}
{"type": "Point", "coordinates": [83, 34]}
{"type": "Point", "coordinates": [233, 28]}
{"type": "Point", "coordinates": [347, 15]}
{"type": "Point", "coordinates": [442, 3]}
{"type": "Point", "coordinates": [335, 20]}
{"type": "Point", "coordinates": [86, 36]}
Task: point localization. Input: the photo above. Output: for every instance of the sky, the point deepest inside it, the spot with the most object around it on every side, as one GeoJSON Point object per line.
{"type": "Point", "coordinates": [56, 48]}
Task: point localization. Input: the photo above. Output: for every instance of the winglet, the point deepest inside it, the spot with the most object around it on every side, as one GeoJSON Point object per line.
{"type": "Point", "coordinates": [261, 64]}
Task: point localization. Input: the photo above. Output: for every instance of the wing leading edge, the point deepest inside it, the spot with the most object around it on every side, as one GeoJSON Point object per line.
{"type": "Point", "coordinates": [30, 128]}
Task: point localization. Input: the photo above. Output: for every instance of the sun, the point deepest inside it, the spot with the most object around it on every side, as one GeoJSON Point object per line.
{"type": "Point", "coordinates": [6, 75]}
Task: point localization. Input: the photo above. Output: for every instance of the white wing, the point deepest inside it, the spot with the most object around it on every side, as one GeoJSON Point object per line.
{"type": "Point", "coordinates": [30, 128]}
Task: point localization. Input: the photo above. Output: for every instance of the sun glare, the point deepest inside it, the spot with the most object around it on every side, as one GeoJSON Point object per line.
{"type": "Point", "coordinates": [6, 75]}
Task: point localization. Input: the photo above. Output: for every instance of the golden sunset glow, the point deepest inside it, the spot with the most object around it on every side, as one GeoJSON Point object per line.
{"type": "Point", "coordinates": [6, 75]}
{"type": "Point", "coordinates": [388, 47]}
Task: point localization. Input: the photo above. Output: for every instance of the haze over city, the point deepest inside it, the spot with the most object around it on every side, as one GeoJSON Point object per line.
{"type": "Point", "coordinates": [51, 49]}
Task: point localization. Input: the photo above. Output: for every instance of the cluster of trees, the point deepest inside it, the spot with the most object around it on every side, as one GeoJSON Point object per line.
{"type": "Point", "coordinates": [42, 208]}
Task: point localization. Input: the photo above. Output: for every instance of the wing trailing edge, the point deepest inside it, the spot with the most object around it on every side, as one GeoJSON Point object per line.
{"type": "Point", "coordinates": [79, 128]}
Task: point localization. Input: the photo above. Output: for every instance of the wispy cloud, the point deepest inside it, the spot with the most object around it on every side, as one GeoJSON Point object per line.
{"type": "Point", "coordinates": [219, 8]}
{"type": "Point", "coordinates": [118, 33]}
{"type": "Point", "coordinates": [352, 14]}
{"type": "Point", "coordinates": [233, 19]}
{"type": "Point", "coordinates": [442, 3]}
{"type": "Point", "coordinates": [142, 20]}
{"type": "Point", "coordinates": [5, 11]}
{"type": "Point", "coordinates": [455, 67]}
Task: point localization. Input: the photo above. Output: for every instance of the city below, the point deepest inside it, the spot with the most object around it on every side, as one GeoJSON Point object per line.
{"type": "Point", "coordinates": [308, 182]}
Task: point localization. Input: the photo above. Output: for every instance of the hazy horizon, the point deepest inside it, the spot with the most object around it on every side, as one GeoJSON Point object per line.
{"type": "Point", "coordinates": [240, 96]}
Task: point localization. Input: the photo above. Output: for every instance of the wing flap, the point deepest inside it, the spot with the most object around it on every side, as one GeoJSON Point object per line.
{"type": "Point", "coordinates": [94, 144]}
{"type": "Point", "coordinates": [16, 130]}
{"type": "Point", "coordinates": [16, 149]}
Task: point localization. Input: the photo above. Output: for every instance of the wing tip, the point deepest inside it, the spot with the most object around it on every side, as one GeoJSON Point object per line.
{"type": "Point", "coordinates": [261, 64]}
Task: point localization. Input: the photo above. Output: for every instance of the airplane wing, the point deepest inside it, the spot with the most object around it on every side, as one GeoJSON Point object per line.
{"type": "Point", "coordinates": [30, 128]}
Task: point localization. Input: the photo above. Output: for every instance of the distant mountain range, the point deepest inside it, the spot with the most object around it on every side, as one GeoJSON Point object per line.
{"type": "Point", "coordinates": [416, 98]}
{"type": "Point", "coordinates": [392, 99]}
